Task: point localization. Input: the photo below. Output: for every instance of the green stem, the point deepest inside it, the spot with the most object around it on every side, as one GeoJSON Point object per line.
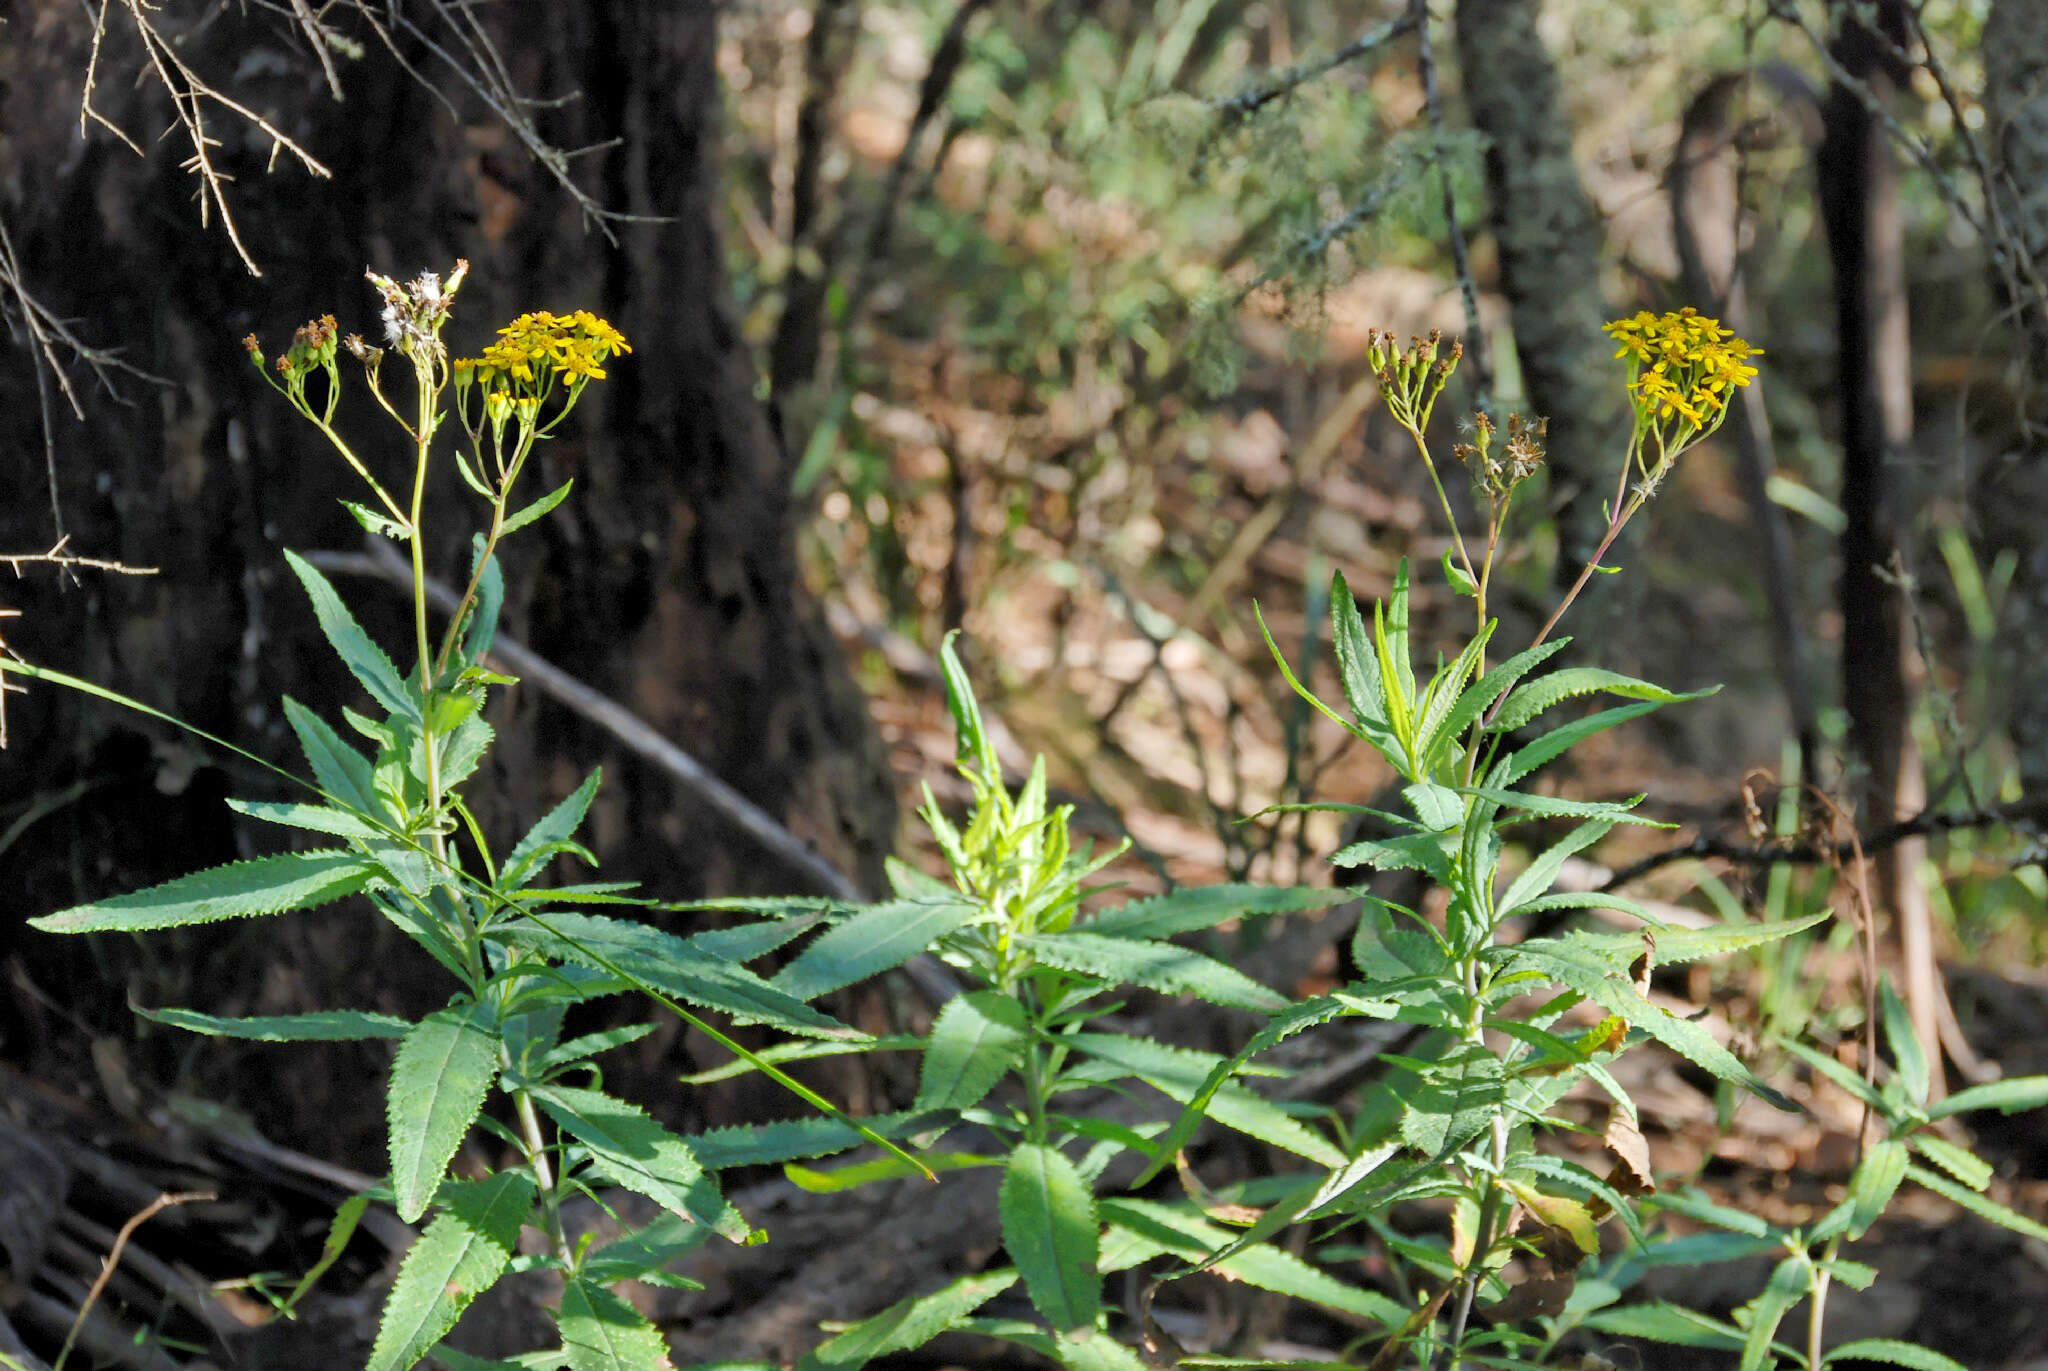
{"type": "Point", "coordinates": [537, 1159]}
{"type": "Point", "coordinates": [1450, 518]}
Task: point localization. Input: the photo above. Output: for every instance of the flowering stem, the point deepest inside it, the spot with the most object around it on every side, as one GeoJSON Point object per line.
{"type": "Point", "coordinates": [1443, 499]}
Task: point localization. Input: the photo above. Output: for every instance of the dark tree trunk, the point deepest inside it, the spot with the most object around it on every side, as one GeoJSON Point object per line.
{"type": "Point", "coordinates": [1550, 239]}
{"type": "Point", "coordinates": [669, 580]}
{"type": "Point", "coordinates": [2016, 89]}
{"type": "Point", "coordinates": [1859, 209]}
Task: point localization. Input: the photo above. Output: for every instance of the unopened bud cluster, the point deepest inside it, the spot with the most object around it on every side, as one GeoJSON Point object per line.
{"type": "Point", "coordinates": [1412, 377]}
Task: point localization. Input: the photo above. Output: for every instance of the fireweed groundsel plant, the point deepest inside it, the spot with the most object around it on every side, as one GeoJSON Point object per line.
{"type": "Point", "coordinates": [1035, 1071]}
{"type": "Point", "coordinates": [402, 835]}
{"type": "Point", "coordinates": [1499, 1028]}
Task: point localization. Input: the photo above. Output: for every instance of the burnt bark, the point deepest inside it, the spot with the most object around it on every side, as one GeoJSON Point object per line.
{"type": "Point", "coordinates": [669, 580]}
{"type": "Point", "coordinates": [1550, 240]}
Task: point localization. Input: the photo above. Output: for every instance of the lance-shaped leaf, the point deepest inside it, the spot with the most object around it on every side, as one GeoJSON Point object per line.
{"type": "Point", "coordinates": [358, 652]}
{"type": "Point", "coordinates": [1180, 1073]}
{"type": "Point", "coordinates": [461, 1255]}
{"type": "Point", "coordinates": [1617, 996]}
{"type": "Point", "coordinates": [552, 834]}
{"type": "Point", "coordinates": [721, 1149]}
{"type": "Point", "coordinates": [1197, 907]}
{"type": "Point", "coordinates": [443, 1070]}
{"type": "Point", "coordinates": [601, 1332]}
{"type": "Point", "coordinates": [1051, 1233]}
{"type": "Point", "coordinates": [907, 1324]}
{"type": "Point", "coordinates": [342, 772]}
{"type": "Point", "coordinates": [669, 964]}
{"type": "Point", "coordinates": [322, 1026]}
{"type": "Point", "coordinates": [1164, 967]}
{"type": "Point", "coordinates": [627, 1147]}
{"type": "Point", "coordinates": [977, 1038]}
{"type": "Point", "coordinates": [878, 938]}
{"type": "Point", "coordinates": [1547, 691]}
{"type": "Point", "coordinates": [239, 890]}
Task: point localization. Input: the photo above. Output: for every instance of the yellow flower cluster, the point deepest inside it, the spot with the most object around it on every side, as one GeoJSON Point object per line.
{"type": "Point", "coordinates": [1682, 365]}
{"type": "Point", "coordinates": [535, 348]}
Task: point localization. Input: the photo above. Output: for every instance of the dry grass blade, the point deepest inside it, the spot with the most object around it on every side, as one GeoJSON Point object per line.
{"type": "Point", "coordinates": [113, 1257]}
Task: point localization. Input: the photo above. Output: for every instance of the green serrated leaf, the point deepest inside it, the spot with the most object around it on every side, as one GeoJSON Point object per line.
{"type": "Point", "coordinates": [239, 890]}
{"type": "Point", "coordinates": [669, 964]}
{"type": "Point", "coordinates": [1194, 908]}
{"type": "Point", "coordinates": [323, 1026]}
{"type": "Point", "coordinates": [364, 659]}
{"type": "Point", "coordinates": [1179, 1073]}
{"type": "Point", "coordinates": [975, 1041]}
{"type": "Point", "coordinates": [529, 856]}
{"type": "Point", "coordinates": [1960, 1162]}
{"type": "Point", "coordinates": [1051, 1233]}
{"type": "Point", "coordinates": [1535, 878]}
{"type": "Point", "coordinates": [907, 1324]}
{"type": "Point", "coordinates": [601, 1332]}
{"type": "Point", "coordinates": [1671, 1324]}
{"type": "Point", "coordinates": [1892, 1352]}
{"type": "Point", "coordinates": [1175, 1230]}
{"type": "Point", "coordinates": [342, 772]}
{"type": "Point", "coordinates": [2013, 1095]}
{"type": "Point", "coordinates": [1873, 1184]}
{"type": "Point", "coordinates": [876, 939]}
{"type": "Point", "coordinates": [1617, 996]}
{"type": "Point", "coordinates": [1908, 1057]}
{"type": "Point", "coordinates": [1554, 744]}
{"type": "Point", "coordinates": [629, 1148]}
{"type": "Point", "coordinates": [1978, 1204]}
{"type": "Point", "coordinates": [461, 1255]}
{"type": "Point", "coordinates": [443, 1071]}
{"type": "Point", "coordinates": [722, 1149]}
{"type": "Point", "coordinates": [1165, 967]}
{"type": "Point", "coordinates": [1548, 691]}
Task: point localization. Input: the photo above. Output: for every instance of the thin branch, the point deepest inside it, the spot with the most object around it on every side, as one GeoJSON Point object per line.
{"type": "Point", "coordinates": [2026, 813]}
{"type": "Point", "coordinates": [45, 332]}
{"type": "Point", "coordinates": [190, 95]}
{"type": "Point", "coordinates": [18, 562]}
{"type": "Point", "coordinates": [1250, 101]}
{"type": "Point", "coordinates": [481, 67]}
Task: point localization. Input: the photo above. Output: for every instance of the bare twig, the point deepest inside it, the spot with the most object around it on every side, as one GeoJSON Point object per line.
{"type": "Point", "coordinates": [2029, 812]}
{"type": "Point", "coordinates": [45, 333]}
{"type": "Point", "coordinates": [191, 95]}
{"type": "Point", "coordinates": [69, 562]}
{"type": "Point", "coordinates": [470, 53]}
{"type": "Point", "coordinates": [113, 1258]}
{"type": "Point", "coordinates": [1255, 98]}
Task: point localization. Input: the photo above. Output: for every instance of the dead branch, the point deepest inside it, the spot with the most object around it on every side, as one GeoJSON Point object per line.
{"type": "Point", "coordinates": [2025, 813]}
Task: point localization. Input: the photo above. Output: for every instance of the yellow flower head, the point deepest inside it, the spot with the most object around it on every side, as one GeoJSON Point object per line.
{"type": "Point", "coordinates": [535, 349]}
{"type": "Point", "coordinates": [1682, 367]}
